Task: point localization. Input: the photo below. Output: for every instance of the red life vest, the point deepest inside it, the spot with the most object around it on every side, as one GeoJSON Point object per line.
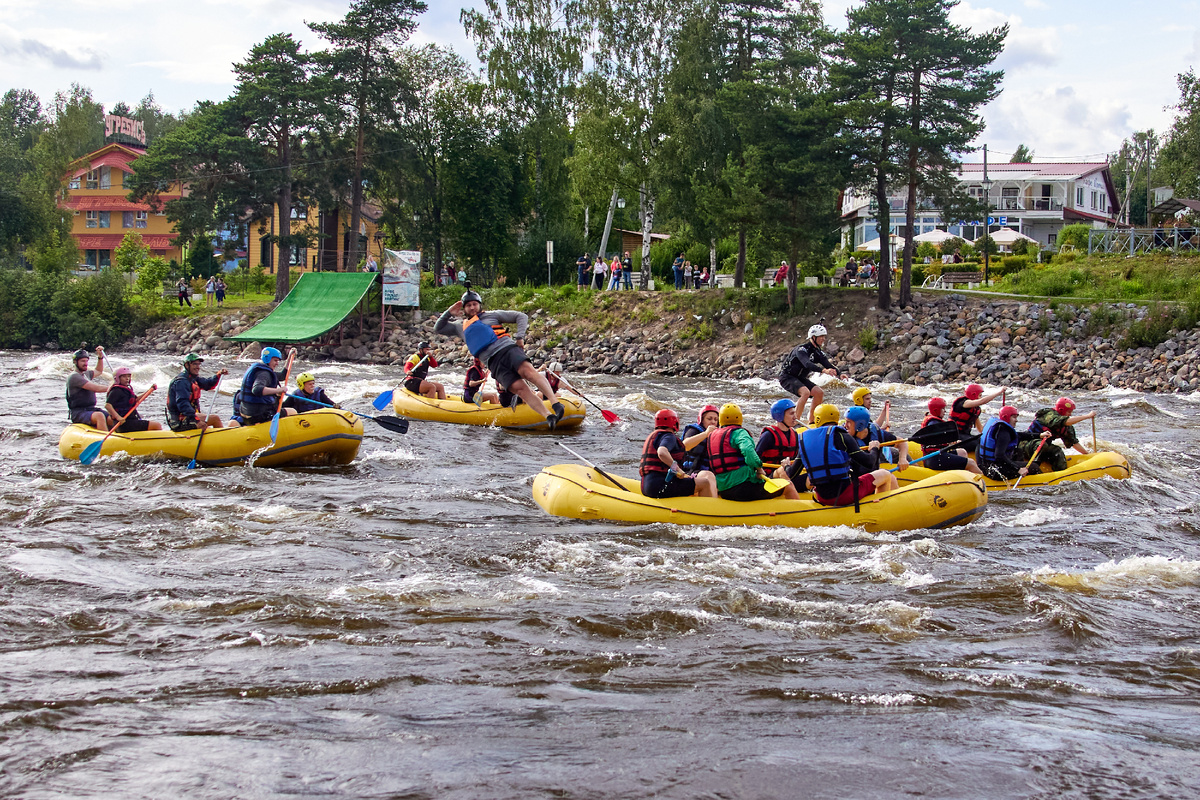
{"type": "Point", "coordinates": [650, 460]}
{"type": "Point", "coordinates": [723, 456]}
{"type": "Point", "coordinates": [964, 417]}
{"type": "Point", "coordinates": [552, 379]}
{"type": "Point", "coordinates": [784, 444]}
{"type": "Point", "coordinates": [929, 420]}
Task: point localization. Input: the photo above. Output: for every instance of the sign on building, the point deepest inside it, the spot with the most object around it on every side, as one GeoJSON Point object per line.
{"type": "Point", "coordinates": [125, 126]}
{"type": "Point", "coordinates": [402, 278]}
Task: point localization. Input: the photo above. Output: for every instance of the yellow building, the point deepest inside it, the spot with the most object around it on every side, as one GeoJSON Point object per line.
{"type": "Point", "coordinates": [97, 185]}
{"type": "Point", "coordinates": [326, 229]}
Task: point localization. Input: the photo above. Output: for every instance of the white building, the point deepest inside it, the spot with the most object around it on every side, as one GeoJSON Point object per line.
{"type": "Point", "coordinates": [1034, 199]}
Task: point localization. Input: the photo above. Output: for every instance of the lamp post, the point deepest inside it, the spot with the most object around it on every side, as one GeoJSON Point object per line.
{"type": "Point", "coordinates": [987, 227]}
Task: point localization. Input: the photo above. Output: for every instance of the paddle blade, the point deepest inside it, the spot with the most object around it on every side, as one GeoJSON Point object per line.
{"type": "Point", "coordinates": [776, 484]}
{"type": "Point", "coordinates": [394, 424]}
{"type": "Point", "coordinates": [274, 427]}
{"type": "Point", "coordinates": [192, 464]}
{"type": "Point", "coordinates": [478, 399]}
{"type": "Point", "coordinates": [90, 452]}
{"type": "Point", "coordinates": [936, 434]}
{"type": "Point", "coordinates": [609, 416]}
{"type": "Point", "coordinates": [383, 401]}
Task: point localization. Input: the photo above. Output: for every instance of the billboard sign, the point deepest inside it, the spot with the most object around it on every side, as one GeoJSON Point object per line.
{"type": "Point", "coordinates": [402, 278]}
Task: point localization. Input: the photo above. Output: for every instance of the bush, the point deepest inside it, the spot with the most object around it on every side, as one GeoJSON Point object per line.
{"type": "Point", "coordinates": [1075, 235]}
{"type": "Point", "coordinates": [151, 275]}
{"type": "Point", "coordinates": [926, 250]}
{"type": "Point", "coordinates": [1010, 264]}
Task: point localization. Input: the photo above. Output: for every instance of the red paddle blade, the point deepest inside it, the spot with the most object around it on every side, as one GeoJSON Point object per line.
{"type": "Point", "coordinates": [609, 416]}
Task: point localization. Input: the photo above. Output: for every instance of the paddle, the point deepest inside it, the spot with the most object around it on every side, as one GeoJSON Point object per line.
{"type": "Point", "coordinates": [936, 433]}
{"type": "Point", "coordinates": [609, 416]}
{"type": "Point", "coordinates": [1031, 460]}
{"type": "Point", "coordinates": [937, 452]}
{"type": "Point", "coordinates": [774, 485]}
{"type": "Point", "coordinates": [385, 399]}
{"type": "Point", "coordinates": [90, 452]}
{"type": "Point", "coordinates": [287, 375]}
{"type": "Point", "coordinates": [213, 404]}
{"type": "Point", "coordinates": [1095, 448]}
{"type": "Point", "coordinates": [613, 480]}
{"type": "Point", "coordinates": [391, 423]}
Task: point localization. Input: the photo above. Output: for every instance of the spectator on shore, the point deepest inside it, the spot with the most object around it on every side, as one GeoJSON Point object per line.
{"type": "Point", "coordinates": [677, 269]}
{"type": "Point", "coordinates": [781, 273]}
{"type": "Point", "coordinates": [687, 274]}
{"type": "Point", "coordinates": [600, 268]}
{"type": "Point", "coordinates": [627, 271]}
{"type": "Point", "coordinates": [584, 265]}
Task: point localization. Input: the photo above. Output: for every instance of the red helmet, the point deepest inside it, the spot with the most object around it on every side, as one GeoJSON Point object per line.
{"type": "Point", "coordinates": [1064, 406]}
{"type": "Point", "coordinates": [705, 410]}
{"type": "Point", "coordinates": [973, 392]}
{"type": "Point", "coordinates": [937, 406]}
{"type": "Point", "coordinates": [667, 419]}
{"type": "Point", "coordinates": [1008, 414]}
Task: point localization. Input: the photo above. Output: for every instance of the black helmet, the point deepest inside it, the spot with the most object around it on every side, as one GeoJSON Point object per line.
{"type": "Point", "coordinates": [81, 353]}
{"type": "Point", "coordinates": [424, 346]}
{"type": "Point", "coordinates": [471, 294]}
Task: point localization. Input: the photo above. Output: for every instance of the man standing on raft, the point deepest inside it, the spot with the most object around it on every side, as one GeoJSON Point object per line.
{"type": "Point", "coordinates": [807, 359]}
{"type": "Point", "coordinates": [490, 342]}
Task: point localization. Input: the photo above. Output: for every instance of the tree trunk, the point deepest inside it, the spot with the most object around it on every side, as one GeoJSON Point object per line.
{"type": "Point", "coordinates": [910, 212]}
{"type": "Point", "coordinates": [284, 242]}
{"type": "Point", "coordinates": [883, 222]}
{"type": "Point", "coordinates": [647, 207]}
{"type": "Point", "coordinates": [356, 196]}
{"type": "Point", "coordinates": [739, 272]}
{"type": "Point", "coordinates": [612, 207]}
{"type": "Point", "coordinates": [712, 256]}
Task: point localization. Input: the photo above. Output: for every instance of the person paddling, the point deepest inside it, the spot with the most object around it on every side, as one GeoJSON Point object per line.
{"type": "Point", "coordinates": [477, 376]}
{"type": "Point", "coordinates": [1061, 423]}
{"type": "Point", "coordinates": [490, 342]}
{"type": "Point", "coordinates": [258, 397]}
{"type": "Point", "coordinates": [966, 410]}
{"type": "Point", "coordinates": [695, 437]}
{"type": "Point", "coordinates": [1001, 445]}
{"type": "Point", "coordinates": [121, 401]}
{"type": "Point", "coordinates": [778, 443]}
{"type": "Point", "coordinates": [662, 463]}
{"type": "Point", "coordinates": [82, 388]}
{"type": "Point", "coordinates": [883, 420]}
{"type": "Point", "coordinates": [947, 459]}
{"type": "Point", "coordinates": [183, 396]}
{"type": "Point", "coordinates": [839, 472]}
{"type": "Point", "coordinates": [807, 359]}
{"type": "Point", "coordinates": [416, 368]}
{"type": "Point", "coordinates": [307, 390]}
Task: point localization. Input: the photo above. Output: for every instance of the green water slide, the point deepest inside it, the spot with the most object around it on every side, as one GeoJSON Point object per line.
{"type": "Point", "coordinates": [316, 304]}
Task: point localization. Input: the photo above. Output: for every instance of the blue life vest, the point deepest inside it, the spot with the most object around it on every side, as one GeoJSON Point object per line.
{"type": "Point", "coordinates": [985, 452]}
{"type": "Point", "coordinates": [249, 399]}
{"type": "Point", "coordinates": [823, 459]}
{"type": "Point", "coordinates": [697, 457]}
{"type": "Point", "coordinates": [479, 336]}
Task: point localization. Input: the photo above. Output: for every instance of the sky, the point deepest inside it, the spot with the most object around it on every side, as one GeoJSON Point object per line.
{"type": "Point", "coordinates": [1080, 75]}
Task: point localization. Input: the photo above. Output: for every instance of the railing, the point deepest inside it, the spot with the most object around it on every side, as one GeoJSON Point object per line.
{"type": "Point", "coordinates": [1130, 241]}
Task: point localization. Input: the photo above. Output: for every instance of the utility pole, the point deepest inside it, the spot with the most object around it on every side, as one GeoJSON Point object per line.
{"type": "Point", "coordinates": [987, 216]}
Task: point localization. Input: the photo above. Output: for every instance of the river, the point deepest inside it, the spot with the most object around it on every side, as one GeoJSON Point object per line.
{"type": "Point", "coordinates": [414, 626]}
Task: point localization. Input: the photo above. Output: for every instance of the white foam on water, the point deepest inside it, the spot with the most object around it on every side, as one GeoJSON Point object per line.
{"type": "Point", "coordinates": [884, 700]}
{"type": "Point", "coordinates": [887, 564]}
{"type": "Point", "coordinates": [1136, 572]}
{"type": "Point", "coordinates": [1034, 517]}
{"type": "Point", "coordinates": [401, 453]}
{"type": "Point", "coordinates": [816, 533]}
{"type": "Point", "coordinates": [268, 513]}
{"type": "Point", "coordinates": [529, 588]}
{"type": "Point", "coordinates": [713, 566]}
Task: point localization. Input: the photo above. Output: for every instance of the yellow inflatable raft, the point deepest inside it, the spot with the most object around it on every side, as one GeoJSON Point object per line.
{"type": "Point", "coordinates": [455, 410]}
{"type": "Point", "coordinates": [1080, 467]}
{"type": "Point", "coordinates": [943, 500]}
{"type": "Point", "coordinates": [314, 439]}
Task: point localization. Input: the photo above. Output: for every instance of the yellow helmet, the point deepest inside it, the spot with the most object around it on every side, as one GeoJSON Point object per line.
{"type": "Point", "coordinates": [729, 414]}
{"type": "Point", "coordinates": [859, 394]}
{"type": "Point", "coordinates": [303, 378]}
{"type": "Point", "coordinates": [826, 414]}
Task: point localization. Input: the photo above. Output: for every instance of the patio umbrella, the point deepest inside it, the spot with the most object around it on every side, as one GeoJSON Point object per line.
{"type": "Point", "coordinates": [1006, 236]}
{"type": "Point", "coordinates": [934, 237]}
{"type": "Point", "coordinates": [873, 245]}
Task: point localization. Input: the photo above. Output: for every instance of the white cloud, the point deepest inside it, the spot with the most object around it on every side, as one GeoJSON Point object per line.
{"type": "Point", "coordinates": [1025, 46]}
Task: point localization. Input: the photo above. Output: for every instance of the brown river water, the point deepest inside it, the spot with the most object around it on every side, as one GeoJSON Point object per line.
{"type": "Point", "coordinates": [414, 626]}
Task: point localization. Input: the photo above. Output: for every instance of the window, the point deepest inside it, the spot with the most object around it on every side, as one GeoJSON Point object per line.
{"type": "Point", "coordinates": [93, 219]}
{"type": "Point", "coordinates": [1103, 202]}
{"type": "Point", "coordinates": [106, 177]}
{"type": "Point", "coordinates": [73, 183]}
{"type": "Point", "coordinates": [1079, 197]}
{"type": "Point", "coordinates": [298, 256]}
{"type": "Point", "coordinates": [104, 218]}
{"type": "Point", "coordinates": [93, 180]}
{"type": "Point", "coordinates": [299, 212]}
{"type": "Point", "coordinates": [1094, 200]}
{"type": "Point", "coordinates": [126, 219]}
{"type": "Point", "coordinates": [139, 218]}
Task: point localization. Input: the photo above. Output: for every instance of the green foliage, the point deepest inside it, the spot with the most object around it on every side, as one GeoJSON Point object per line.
{"type": "Point", "coordinates": [47, 306]}
{"type": "Point", "coordinates": [868, 338]}
{"type": "Point", "coordinates": [56, 254]}
{"type": "Point", "coordinates": [966, 250]}
{"type": "Point", "coordinates": [151, 274]}
{"type": "Point", "coordinates": [201, 263]}
{"type": "Point", "coordinates": [1021, 246]}
{"type": "Point", "coordinates": [131, 254]}
{"type": "Point", "coordinates": [1009, 265]}
{"type": "Point", "coordinates": [1075, 235]}
{"type": "Point", "coordinates": [926, 250]}
{"type": "Point", "coordinates": [1160, 322]}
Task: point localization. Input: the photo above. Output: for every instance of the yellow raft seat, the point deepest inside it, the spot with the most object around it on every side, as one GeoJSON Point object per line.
{"type": "Point", "coordinates": [1080, 467]}
{"type": "Point", "coordinates": [941, 501]}
{"type": "Point", "coordinates": [415, 406]}
{"type": "Point", "coordinates": [313, 439]}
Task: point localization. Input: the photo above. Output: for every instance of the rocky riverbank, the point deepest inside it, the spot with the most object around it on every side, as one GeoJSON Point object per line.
{"type": "Point", "coordinates": [940, 338]}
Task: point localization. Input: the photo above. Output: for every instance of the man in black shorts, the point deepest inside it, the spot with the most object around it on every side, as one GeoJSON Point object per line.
{"type": "Point", "coordinates": [661, 468]}
{"type": "Point", "coordinates": [490, 342]}
{"type": "Point", "coordinates": [804, 360]}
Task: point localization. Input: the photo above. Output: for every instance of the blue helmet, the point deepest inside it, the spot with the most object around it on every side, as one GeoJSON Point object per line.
{"type": "Point", "coordinates": [269, 353]}
{"type": "Point", "coordinates": [780, 407]}
{"type": "Point", "coordinates": [859, 416]}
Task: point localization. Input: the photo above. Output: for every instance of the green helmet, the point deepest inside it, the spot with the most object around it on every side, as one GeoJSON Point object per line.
{"type": "Point", "coordinates": [190, 357]}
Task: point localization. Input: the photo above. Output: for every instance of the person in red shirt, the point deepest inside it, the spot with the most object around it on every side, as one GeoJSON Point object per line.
{"type": "Point", "coordinates": [417, 368]}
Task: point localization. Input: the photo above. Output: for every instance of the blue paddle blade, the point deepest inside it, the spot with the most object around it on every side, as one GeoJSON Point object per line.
{"type": "Point", "coordinates": [383, 401]}
{"type": "Point", "coordinates": [90, 452]}
{"type": "Point", "coordinates": [274, 427]}
{"type": "Point", "coordinates": [192, 464]}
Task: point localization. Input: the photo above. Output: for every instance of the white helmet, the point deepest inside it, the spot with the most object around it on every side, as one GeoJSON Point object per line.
{"type": "Point", "coordinates": [817, 330]}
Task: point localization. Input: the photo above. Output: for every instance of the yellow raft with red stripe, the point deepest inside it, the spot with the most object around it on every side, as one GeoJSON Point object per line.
{"type": "Point", "coordinates": [314, 439]}
{"type": "Point", "coordinates": [942, 500]}
{"type": "Point", "coordinates": [415, 406]}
